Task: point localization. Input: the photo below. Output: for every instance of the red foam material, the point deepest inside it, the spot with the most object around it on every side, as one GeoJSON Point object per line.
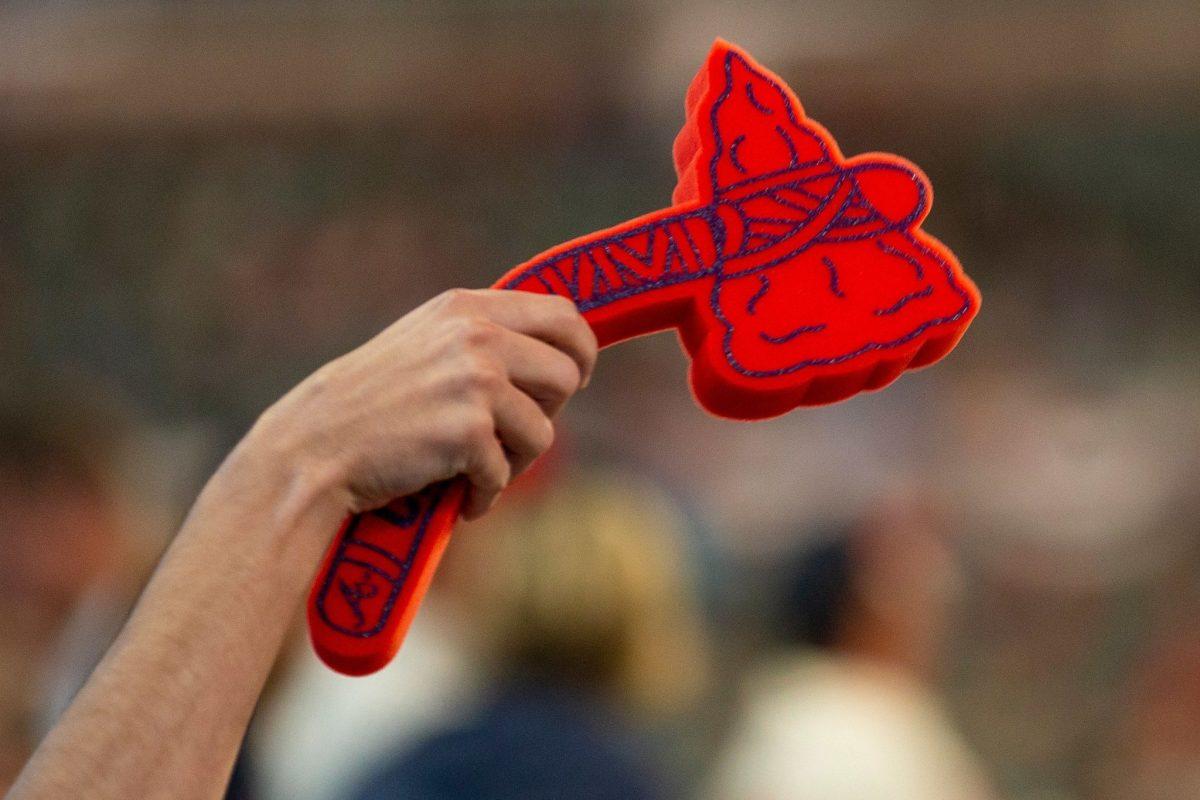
{"type": "Point", "coordinates": [793, 275]}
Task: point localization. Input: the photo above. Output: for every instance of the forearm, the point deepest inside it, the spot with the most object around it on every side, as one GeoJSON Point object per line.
{"type": "Point", "coordinates": [464, 385]}
{"type": "Point", "coordinates": [165, 711]}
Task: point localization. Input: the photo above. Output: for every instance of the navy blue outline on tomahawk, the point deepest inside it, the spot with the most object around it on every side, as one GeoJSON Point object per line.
{"type": "Point", "coordinates": [433, 496]}
{"type": "Point", "coordinates": [855, 220]}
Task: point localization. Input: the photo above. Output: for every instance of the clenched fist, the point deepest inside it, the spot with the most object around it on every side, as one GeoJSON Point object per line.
{"type": "Point", "coordinates": [467, 384]}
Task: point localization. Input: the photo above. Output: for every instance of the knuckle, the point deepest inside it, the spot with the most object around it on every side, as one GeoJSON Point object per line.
{"type": "Point", "coordinates": [467, 428]}
{"type": "Point", "coordinates": [499, 474]}
{"type": "Point", "coordinates": [479, 430]}
{"type": "Point", "coordinates": [543, 439]}
{"type": "Point", "coordinates": [564, 311]}
{"type": "Point", "coordinates": [559, 391]}
{"type": "Point", "coordinates": [562, 305]}
{"type": "Point", "coordinates": [563, 378]}
{"type": "Point", "coordinates": [593, 344]}
{"type": "Point", "coordinates": [471, 332]}
{"type": "Point", "coordinates": [456, 299]}
{"type": "Point", "coordinates": [570, 375]}
{"type": "Point", "coordinates": [491, 477]}
{"type": "Point", "coordinates": [479, 331]}
{"type": "Point", "coordinates": [485, 380]}
{"type": "Point", "coordinates": [479, 375]}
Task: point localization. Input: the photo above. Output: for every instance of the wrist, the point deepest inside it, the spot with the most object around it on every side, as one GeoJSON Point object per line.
{"type": "Point", "coordinates": [274, 466]}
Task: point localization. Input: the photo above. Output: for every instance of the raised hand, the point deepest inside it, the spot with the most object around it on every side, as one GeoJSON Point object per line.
{"type": "Point", "coordinates": [466, 384]}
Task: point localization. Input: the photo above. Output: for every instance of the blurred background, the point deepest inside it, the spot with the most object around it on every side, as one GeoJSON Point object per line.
{"type": "Point", "coordinates": [980, 583]}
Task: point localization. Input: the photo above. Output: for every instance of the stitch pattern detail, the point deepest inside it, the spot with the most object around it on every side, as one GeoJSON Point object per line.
{"type": "Point", "coordinates": [833, 277]}
{"type": "Point", "coordinates": [385, 566]}
{"type": "Point", "coordinates": [733, 148]}
{"type": "Point", "coordinates": [764, 287]}
{"type": "Point", "coordinates": [903, 301]}
{"type": "Point", "coordinates": [773, 229]}
{"type": "Point", "coordinates": [754, 101]}
{"type": "Point", "coordinates": [355, 593]}
{"type": "Point", "coordinates": [816, 204]}
{"type": "Point", "coordinates": [792, 334]}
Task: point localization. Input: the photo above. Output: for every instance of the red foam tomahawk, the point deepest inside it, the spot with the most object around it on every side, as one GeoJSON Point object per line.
{"type": "Point", "coordinates": [795, 276]}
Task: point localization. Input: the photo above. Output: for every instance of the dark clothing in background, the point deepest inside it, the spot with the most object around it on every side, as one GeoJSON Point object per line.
{"type": "Point", "coordinates": [532, 743]}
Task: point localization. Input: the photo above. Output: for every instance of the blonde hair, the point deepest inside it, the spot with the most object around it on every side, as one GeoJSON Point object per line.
{"type": "Point", "coordinates": [587, 581]}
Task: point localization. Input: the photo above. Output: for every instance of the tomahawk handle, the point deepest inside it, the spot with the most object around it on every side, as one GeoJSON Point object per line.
{"type": "Point", "coordinates": [790, 221]}
{"type": "Point", "coordinates": [373, 578]}
{"type": "Point", "coordinates": [381, 562]}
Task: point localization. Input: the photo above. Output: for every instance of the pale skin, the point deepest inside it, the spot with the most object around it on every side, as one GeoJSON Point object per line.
{"type": "Point", "coordinates": [467, 384]}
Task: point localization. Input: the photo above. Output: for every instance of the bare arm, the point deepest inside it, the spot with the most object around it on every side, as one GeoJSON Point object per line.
{"type": "Point", "coordinates": [466, 384]}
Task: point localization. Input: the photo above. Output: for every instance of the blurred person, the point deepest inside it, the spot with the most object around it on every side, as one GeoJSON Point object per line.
{"type": "Point", "coordinates": [307, 741]}
{"type": "Point", "coordinates": [580, 602]}
{"type": "Point", "coordinates": [67, 562]}
{"type": "Point", "coordinates": [467, 384]}
{"type": "Point", "coordinates": [310, 717]}
{"type": "Point", "coordinates": [848, 711]}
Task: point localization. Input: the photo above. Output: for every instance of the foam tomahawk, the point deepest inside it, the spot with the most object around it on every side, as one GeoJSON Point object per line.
{"type": "Point", "coordinates": [795, 276]}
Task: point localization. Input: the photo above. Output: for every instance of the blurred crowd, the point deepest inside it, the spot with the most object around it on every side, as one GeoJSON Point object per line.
{"type": "Point", "coordinates": [980, 583]}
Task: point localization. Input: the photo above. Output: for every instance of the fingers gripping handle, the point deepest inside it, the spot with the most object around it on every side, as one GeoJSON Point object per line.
{"type": "Point", "coordinates": [378, 569]}
{"type": "Point", "coordinates": [376, 573]}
